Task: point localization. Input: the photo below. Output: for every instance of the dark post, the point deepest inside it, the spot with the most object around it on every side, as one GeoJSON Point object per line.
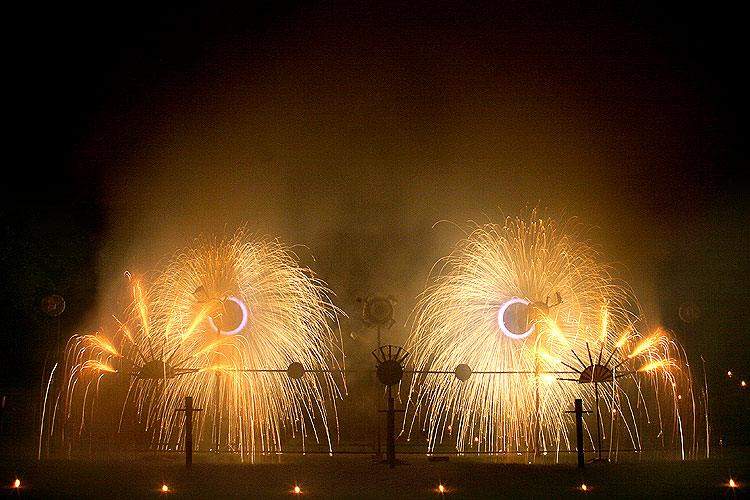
{"type": "Point", "coordinates": [378, 423]}
{"type": "Point", "coordinates": [391, 431]}
{"type": "Point", "coordinates": [217, 424]}
{"type": "Point", "coordinates": [579, 431]}
{"type": "Point", "coordinates": [536, 409]}
{"type": "Point", "coordinates": [188, 429]}
{"type": "Point", "coordinates": [598, 422]}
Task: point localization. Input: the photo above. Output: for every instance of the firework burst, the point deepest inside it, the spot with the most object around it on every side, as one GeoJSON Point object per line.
{"type": "Point", "coordinates": [528, 320]}
{"type": "Point", "coordinates": [234, 323]}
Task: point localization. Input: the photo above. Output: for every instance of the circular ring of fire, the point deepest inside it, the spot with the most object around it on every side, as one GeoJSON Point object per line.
{"type": "Point", "coordinates": [242, 324]}
{"type": "Point", "coordinates": [501, 320]}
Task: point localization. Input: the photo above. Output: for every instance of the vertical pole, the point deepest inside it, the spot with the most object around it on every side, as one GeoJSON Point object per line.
{"type": "Point", "coordinates": [188, 431]}
{"type": "Point", "coordinates": [391, 431]}
{"type": "Point", "coordinates": [598, 421]}
{"type": "Point", "coordinates": [217, 423]}
{"type": "Point", "coordinates": [579, 431]}
{"type": "Point", "coordinates": [536, 407]}
{"type": "Point", "coordinates": [378, 439]}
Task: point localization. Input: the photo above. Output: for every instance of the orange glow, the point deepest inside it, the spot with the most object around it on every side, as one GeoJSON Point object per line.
{"type": "Point", "coordinates": [732, 484]}
{"type": "Point", "coordinates": [297, 490]}
{"type": "Point", "coordinates": [140, 300]}
{"type": "Point", "coordinates": [729, 373]}
{"type": "Point", "coordinates": [202, 314]}
{"type": "Point", "coordinates": [547, 356]}
{"type": "Point", "coordinates": [605, 321]}
{"type": "Point", "coordinates": [664, 363]}
{"type": "Point", "coordinates": [547, 379]}
{"type": "Point", "coordinates": [441, 488]}
{"type": "Point", "coordinates": [17, 483]}
{"type": "Point", "coordinates": [210, 347]}
{"type": "Point", "coordinates": [555, 331]}
{"type": "Point", "coordinates": [743, 384]}
{"type": "Point", "coordinates": [104, 345]}
{"type": "Point", "coordinates": [584, 487]}
{"type": "Point", "coordinates": [626, 336]}
{"type": "Point", "coordinates": [647, 344]}
{"type": "Point", "coordinates": [218, 368]}
{"type": "Point", "coordinates": [93, 364]}
{"type": "Point", "coordinates": [164, 488]}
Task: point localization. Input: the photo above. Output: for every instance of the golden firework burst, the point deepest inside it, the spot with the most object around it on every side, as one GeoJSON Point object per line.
{"type": "Point", "coordinates": [236, 324]}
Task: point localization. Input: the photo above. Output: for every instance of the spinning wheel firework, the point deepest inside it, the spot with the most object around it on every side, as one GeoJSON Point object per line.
{"type": "Point", "coordinates": [514, 356]}
{"type": "Point", "coordinates": [237, 324]}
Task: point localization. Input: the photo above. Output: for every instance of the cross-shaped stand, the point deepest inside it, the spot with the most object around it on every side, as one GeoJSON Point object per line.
{"type": "Point", "coordinates": [390, 430]}
{"type": "Point", "coordinates": [579, 429]}
{"type": "Point", "coordinates": [189, 429]}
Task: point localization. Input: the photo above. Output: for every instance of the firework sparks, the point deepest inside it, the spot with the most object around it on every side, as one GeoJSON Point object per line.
{"type": "Point", "coordinates": [489, 308]}
{"type": "Point", "coordinates": [222, 323]}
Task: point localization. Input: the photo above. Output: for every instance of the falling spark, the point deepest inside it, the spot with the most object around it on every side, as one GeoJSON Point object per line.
{"type": "Point", "coordinates": [656, 365]}
{"type": "Point", "coordinates": [625, 337]}
{"type": "Point", "coordinates": [646, 345]}
{"type": "Point", "coordinates": [103, 344]}
{"type": "Point", "coordinates": [93, 364]}
{"type": "Point", "coordinates": [605, 323]}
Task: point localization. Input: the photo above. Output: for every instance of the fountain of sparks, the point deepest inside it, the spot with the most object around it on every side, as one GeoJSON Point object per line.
{"type": "Point", "coordinates": [236, 324]}
{"type": "Point", "coordinates": [516, 354]}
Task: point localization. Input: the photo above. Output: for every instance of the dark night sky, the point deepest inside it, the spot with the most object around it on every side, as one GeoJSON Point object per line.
{"type": "Point", "coordinates": [352, 129]}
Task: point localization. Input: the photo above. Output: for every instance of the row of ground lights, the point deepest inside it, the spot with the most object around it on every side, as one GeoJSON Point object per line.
{"type": "Point", "coordinates": [730, 375]}
{"type": "Point", "coordinates": [441, 488]}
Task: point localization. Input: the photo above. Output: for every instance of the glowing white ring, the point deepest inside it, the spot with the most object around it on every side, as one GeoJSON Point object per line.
{"type": "Point", "coordinates": [237, 330]}
{"type": "Point", "coordinates": [501, 323]}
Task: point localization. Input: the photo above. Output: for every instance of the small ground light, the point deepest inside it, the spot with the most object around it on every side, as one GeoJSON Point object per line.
{"type": "Point", "coordinates": [441, 488]}
{"type": "Point", "coordinates": [297, 490]}
{"type": "Point", "coordinates": [743, 384]}
{"type": "Point", "coordinates": [164, 488]}
{"type": "Point", "coordinates": [729, 373]}
{"type": "Point", "coordinates": [732, 484]}
{"type": "Point", "coordinates": [17, 483]}
{"type": "Point", "coordinates": [584, 487]}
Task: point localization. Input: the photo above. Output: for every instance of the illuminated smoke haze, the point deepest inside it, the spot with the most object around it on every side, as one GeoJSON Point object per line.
{"type": "Point", "coordinates": [352, 129]}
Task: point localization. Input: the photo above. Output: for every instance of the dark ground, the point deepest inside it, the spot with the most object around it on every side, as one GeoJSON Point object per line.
{"type": "Point", "coordinates": [358, 477]}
